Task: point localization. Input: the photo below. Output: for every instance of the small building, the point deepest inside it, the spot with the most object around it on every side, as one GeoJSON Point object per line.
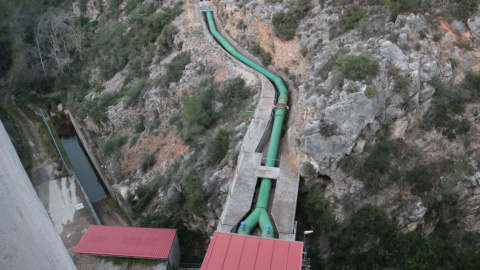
{"type": "Point", "coordinates": [147, 243]}
{"type": "Point", "coordinates": [234, 251]}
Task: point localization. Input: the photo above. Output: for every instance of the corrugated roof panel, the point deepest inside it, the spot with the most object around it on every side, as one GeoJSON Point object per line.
{"type": "Point", "coordinates": [241, 252]}
{"type": "Point", "coordinates": [235, 252]}
{"type": "Point", "coordinates": [127, 242]}
{"type": "Point", "coordinates": [209, 253]}
{"type": "Point", "coordinates": [295, 252]}
{"type": "Point", "coordinates": [220, 250]}
{"type": "Point", "coordinates": [280, 255]}
{"type": "Point", "coordinates": [249, 255]}
{"type": "Point", "coordinates": [264, 256]}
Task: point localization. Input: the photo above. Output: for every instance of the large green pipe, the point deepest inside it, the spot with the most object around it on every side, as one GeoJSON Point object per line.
{"type": "Point", "coordinates": [260, 214]}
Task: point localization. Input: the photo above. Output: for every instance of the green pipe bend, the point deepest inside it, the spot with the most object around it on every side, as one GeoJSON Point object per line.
{"type": "Point", "coordinates": [259, 216]}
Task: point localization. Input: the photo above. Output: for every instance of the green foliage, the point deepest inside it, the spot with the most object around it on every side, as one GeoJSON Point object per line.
{"type": "Point", "coordinates": [421, 34]}
{"type": "Point", "coordinates": [421, 178]}
{"type": "Point", "coordinates": [328, 129]}
{"type": "Point", "coordinates": [175, 69]}
{"type": "Point", "coordinates": [317, 205]}
{"type": "Point", "coordinates": [148, 160]}
{"type": "Point", "coordinates": [196, 198]}
{"type": "Point", "coordinates": [308, 169]}
{"type": "Point", "coordinates": [133, 92]}
{"type": "Point", "coordinates": [446, 102]}
{"type": "Point", "coordinates": [140, 125]}
{"type": "Point", "coordinates": [258, 51]}
{"type": "Point", "coordinates": [192, 243]}
{"type": "Point", "coordinates": [350, 19]}
{"type": "Point", "coordinates": [285, 24]}
{"type": "Point", "coordinates": [437, 37]}
{"type": "Point", "coordinates": [331, 64]}
{"type": "Point", "coordinates": [402, 6]}
{"type": "Point", "coordinates": [358, 67]}
{"type": "Point", "coordinates": [465, 8]}
{"type": "Point", "coordinates": [166, 40]}
{"type": "Point", "coordinates": [235, 94]}
{"type": "Point", "coordinates": [114, 142]}
{"type": "Point", "coordinates": [401, 81]}
{"type": "Point", "coordinates": [471, 82]}
{"type": "Point", "coordinates": [379, 165]}
{"type": "Point", "coordinates": [219, 147]}
{"type": "Point", "coordinates": [114, 205]}
{"type": "Point", "coordinates": [97, 107]}
{"type": "Point", "coordinates": [371, 91]}
{"type": "Point", "coordinates": [142, 196]}
{"type": "Point", "coordinates": [197, 114]}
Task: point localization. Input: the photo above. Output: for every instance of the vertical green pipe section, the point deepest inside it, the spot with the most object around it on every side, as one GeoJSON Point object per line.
{"type": "Point", "coordinates": [259, 216]}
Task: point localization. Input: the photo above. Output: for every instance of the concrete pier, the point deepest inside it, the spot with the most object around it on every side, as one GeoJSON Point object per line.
{"type": "Point", "coordinates": [28, 239]}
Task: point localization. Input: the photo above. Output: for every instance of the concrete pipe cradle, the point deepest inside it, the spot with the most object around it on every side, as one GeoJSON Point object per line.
{"type": "Point", "coordinates": [259, 216]}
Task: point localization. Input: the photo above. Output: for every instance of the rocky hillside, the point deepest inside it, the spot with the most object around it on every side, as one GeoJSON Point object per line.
{"type": "Point", "coordinates": [384, 98]}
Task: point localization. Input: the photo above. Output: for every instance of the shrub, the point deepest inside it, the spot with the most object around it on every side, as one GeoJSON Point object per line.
{"type": "Point", "coordinates": [331, 63]}
{"type": "Point", "coordinates": [308, 169]}
{"type": "Point", "coordinates": [446, 102]}
{"type": "Point", "coordinates": [96, 107]}
{"type": "Point", "coordinates": [175, 69]}
{"type": "Point", "coordinates": [133, 92]}
{"type": "Point", "coordinates": [421, 34]}
{"type": "Point", "coordinates": [114, 142]}
{"type": "Point", "coordinates": [219, 147]}
{"type": "Point", "coordinates": [350, 18]}
{"type": "Point", "coordinates": [235, 94]}
{"type": "Point", "coordinates": [402, 6]}
{"type": "Point", "coordinates": [258, 51]}
{"type": "Point", "coordinates": [437, 37]}
{"type": "Point", "coordinates": [148, 160]}
{"type": "Point", "coordinates": [140, 125]}
{"type": "Point", "coordinates": [197, 114]}
{"type": "Point", "coordinates": [371, 91]}
{"type": "Point", "coordinates": [465, 8]}
{"type": "Point", "coordinates": [285, 24]}
{"type": "Point", "coordinates": [358, 67]}
{"type": "Point", "coordinates": [166, 40]}
{"type": "Point", "coordinates": [144, 196]}
{"type": "Point", "coordinates": [196, 197]}
{"type": "Point", "coordinates": [401, 82]}
{"type": "Point", "coordinates": [328, 129]}
{"type": "Point", "coordinates": [421, 179]}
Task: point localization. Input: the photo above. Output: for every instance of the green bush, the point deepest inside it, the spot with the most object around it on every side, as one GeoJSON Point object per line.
{"type": "Point", "coordinates": [97, 107]}
{"type": "Point", "coordinates": [148, 160]}
{"type": "Point", "coordinates": [437, 37]}
{"type": "Point", "coordinates": [285, 24]}
{"type": "Point", "coordinates": [258, 51]}
{"type": "Point", "coordinates": [327, 129]}
{"type": "Point", "coordinates": [350, 18]}
{"type": "Point", "coordinates": [114, 142]}
{"type": "Point", "coordinates": [196, 197]}
{"type": "Point", "coordinates": [219, 147]}
{"type": "Point", "coordinates": [402, 6]}
{"type": "Point", "coordinates": [401, 82]}
{"type": "Point", "coordinates": [166, 40]}
{"type": "Point", "coordinates": [308, 169]}
{"type": "Point", "coordinates": [197, 114]}
{"type": "Point", "coordinates": [235, 94]}
{"type": "Point", "coordinates": [358, 67]}
{"type": "Point", "coordinates": [175, 69]}
{"type": "Point", "coordinates": [421, 179]}
{"type": "Point", "coordinates": [465, 8]}
{"type": "Point", "coordinates": [317, 205]}
{"type": "Point", "coordinates": [133, 92]}
{"type": "Point", "coordinates": [331, 64]}
{"type": "Point", "coordinates": [371, 91]}
{"type": "Point", "coordinates": [140, 125]}
{"type": "Point", "coordinates": [142, 196]}
{"type": "Point", "coordinates": [447, 101]}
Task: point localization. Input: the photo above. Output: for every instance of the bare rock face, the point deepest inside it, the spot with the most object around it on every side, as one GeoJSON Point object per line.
{"type": "Point", "coordinates": [411, 215]}
{"type": "Point", "coordinates": [474, 25]}
{"type": "Point", "coordinates": [393, 54]}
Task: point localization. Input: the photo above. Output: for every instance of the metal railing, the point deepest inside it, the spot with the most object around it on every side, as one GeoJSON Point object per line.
{"type": "Point", "coordinates": [71, 172]}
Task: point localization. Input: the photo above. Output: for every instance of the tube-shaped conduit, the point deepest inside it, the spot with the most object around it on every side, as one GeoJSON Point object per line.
{"type": "Point", "coordinates": [259, 216]}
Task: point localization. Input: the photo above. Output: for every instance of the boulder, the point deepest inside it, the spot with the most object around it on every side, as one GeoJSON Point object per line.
{"type": "Point", "coordinates": [458, 26]}
{"type": "Point", "coordinates": [393, 54]}
{"type": "Point", "coordinates": [426, 93]}
{"type": "Point", "coordinates": [447, 70]}
{"type": "Point", "coordinates": [416, 22]}
{"type": "Point", "coordinates": [474, 25]}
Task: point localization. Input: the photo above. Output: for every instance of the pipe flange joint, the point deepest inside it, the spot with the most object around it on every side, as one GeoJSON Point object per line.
{"type": "Point", "coordinates": [280, 106]}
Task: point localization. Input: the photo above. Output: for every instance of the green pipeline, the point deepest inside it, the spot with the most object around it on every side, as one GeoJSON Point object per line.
{"type": "Point", "coordinates": [259, 216]}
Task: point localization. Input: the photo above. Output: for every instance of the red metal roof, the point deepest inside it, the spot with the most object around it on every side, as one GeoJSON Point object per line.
{"type": "Point", "coordinates": [234, 251]}
{"type": "Point", "coordinates": [127, 242]}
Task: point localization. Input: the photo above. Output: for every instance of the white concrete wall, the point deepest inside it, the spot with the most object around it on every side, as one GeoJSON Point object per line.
{"type": "Point", "coordinates": [28, 239]}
